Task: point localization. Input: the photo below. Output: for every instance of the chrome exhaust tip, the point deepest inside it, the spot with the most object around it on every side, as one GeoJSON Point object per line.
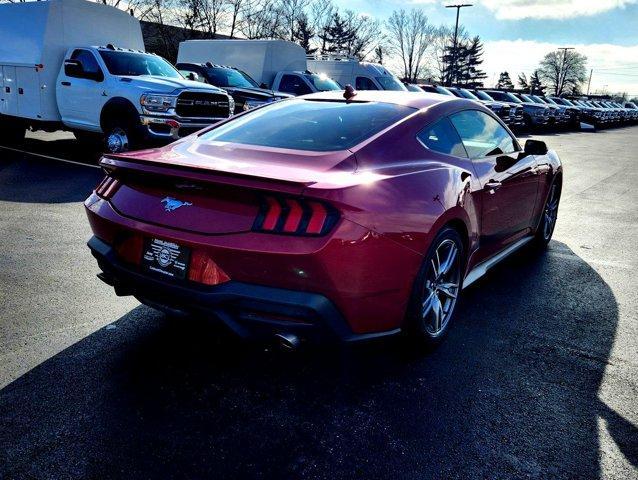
{"type": "Point", "coordinates": [287, 341]}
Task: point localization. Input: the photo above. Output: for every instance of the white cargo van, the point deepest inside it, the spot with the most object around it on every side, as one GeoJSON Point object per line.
{"type": "Point", "coordinates": [275, 64]}
{"type": "Point", "coordinates": [81, 66]}
{"type": "Point", "coordinates": [350, 71]}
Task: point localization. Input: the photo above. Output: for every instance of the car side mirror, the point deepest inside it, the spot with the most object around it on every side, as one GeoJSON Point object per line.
{"type": "Point", "coordinates": [535, 147]}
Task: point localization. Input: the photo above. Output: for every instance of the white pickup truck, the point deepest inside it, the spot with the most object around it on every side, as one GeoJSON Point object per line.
{"type": "Point", "coordinates": [55, 75]}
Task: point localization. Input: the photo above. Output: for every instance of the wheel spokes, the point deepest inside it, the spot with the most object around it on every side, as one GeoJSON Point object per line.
{"type": "Point", "coordinates": [427, 303]}
{"type": "Point", "coordinates": [437, 310]}
{"type": "Point", "coordinates": [449, 261]}
{"type": "Point", "coordinates": [449, 289]}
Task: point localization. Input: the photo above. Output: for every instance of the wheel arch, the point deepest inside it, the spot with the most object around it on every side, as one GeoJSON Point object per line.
{"type": "Point", "coordinates": [117, 106]}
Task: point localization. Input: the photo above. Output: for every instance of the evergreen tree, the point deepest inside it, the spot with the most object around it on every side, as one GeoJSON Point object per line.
{"type": "Point", "coordinates": [474, 75]}
{"type": "Point", "coordinates": [522, 81]}
{"type": "Point", "coordinates": [535, 85]}
{"type": "Point", "coordinates": [303, 34]}
{"type": "Point", "coordinates": [505, 82]}
{"type": "Point", "coordinates": [337, 37]}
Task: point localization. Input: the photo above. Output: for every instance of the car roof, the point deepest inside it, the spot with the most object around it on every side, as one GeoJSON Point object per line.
{"type": "Point", "coordinates": [409, 99]}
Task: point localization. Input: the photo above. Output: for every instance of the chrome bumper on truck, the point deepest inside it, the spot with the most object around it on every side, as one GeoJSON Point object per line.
{"type": "Point", "coordinates": [174, 127]}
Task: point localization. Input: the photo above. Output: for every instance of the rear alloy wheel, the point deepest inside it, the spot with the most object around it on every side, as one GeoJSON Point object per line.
{"type": "Point", "coordinates": [437, 288]}
{"type": "Point", "coordinates": [550, 215]}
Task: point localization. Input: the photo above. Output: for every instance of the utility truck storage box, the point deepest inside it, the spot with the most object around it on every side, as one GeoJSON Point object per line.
{"type": "Point", "coordinates": [34, 37]}
{"type": "Point", "coordinates": [261, 59]}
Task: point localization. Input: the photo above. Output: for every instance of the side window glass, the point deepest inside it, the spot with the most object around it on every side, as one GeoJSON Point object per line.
{"type": "Point", "coordinates": [482, 136]}
{"type": "Point", "coordinates": [364, 83]}
{"type": "Point", "coordinates": [443, 138]}
{"type": "Point", "coordinates": [190, 75]}
{"type": "Point", "coordinates": [90, 67]}
{"type": "Point", "coordinates": [293, 84]}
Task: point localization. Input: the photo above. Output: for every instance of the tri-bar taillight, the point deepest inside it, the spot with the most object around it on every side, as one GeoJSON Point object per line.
{"type": "Point", "coordinates": [295, 216]}
{"type": "Point", "coordinates": [107, 187]}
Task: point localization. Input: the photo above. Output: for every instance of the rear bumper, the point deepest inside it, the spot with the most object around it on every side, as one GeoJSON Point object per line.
{"type": "Point", "coordinates": [250, 311]}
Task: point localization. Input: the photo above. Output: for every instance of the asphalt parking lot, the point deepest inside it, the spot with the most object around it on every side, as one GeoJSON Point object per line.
{"type": "Point", "coordinates": [537, 379]}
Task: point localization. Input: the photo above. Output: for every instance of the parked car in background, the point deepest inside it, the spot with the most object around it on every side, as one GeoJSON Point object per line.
{"type": "Point", "coordinates": [53, 76]}
{"type": "Point", "coordinates": [255, 220]}
{"type": "Point", "coordinates": [569, 114]}
{"type": "Point", "coordinates": [436, 89]}
{"type": "Point", "coordinates": [515, 119]}
{"type": "Point", "coordinates": [245, 91]}
{"type": "Point", "coordinates": [276, 65]}
{"type": "Point", "coordinates": [350, 71]}
{"type": "Point", "coordinates": [557, 118]}
{"type": "Point", "coordinates": [536, 115]}
{"type": "Point", "coordinates": [510, 112]}
{"type": "Point", "coordinates": [633, 109]}
{"type": "Point", "coordinates": [412, 87]}
{"type": "Point", "coordinates": [576, 113]}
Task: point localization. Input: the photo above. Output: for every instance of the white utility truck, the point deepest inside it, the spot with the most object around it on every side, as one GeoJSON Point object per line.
{"type": "Point", "coordinates": [278, 65]}
{"type": "Point", "coordinates": [350, 71]}
{"type": "Point", "coordinates": [81, 66]}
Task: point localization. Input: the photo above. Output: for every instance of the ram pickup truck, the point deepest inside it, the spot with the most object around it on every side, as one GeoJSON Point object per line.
{"type": "Point", "coordinates": [53, 77]}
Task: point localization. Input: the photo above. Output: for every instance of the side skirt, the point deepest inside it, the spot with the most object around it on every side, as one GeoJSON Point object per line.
{"type": "Point", "coordinates": [481, 269]}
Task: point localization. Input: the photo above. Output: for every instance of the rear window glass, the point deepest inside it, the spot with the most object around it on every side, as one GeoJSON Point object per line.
{"type": "Point", "coordinates": [309, 124]}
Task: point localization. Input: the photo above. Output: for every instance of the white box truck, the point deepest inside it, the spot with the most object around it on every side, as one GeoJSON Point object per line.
{"type": "Point", "coordinates": [350, 71]}
{"type": "Point", "coordinates": [275, 64]}
{"type": "Point", "coordinates": [81, 66]}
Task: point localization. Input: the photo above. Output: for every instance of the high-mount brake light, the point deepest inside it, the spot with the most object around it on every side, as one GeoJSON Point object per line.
{"type": "Point", "coordinates": [295, 216]}
{"type": "Point", "coordinates": [107, 187]}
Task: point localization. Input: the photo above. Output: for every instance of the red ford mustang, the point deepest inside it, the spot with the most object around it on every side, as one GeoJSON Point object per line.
{"type": "Point", "coordinates": [319, 217]}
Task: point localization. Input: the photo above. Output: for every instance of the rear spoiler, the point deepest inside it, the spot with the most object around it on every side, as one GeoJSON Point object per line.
{"type": "Point", "coordinates": [111, 164]}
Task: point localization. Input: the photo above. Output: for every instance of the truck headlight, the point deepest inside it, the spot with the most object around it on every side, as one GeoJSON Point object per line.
{"type": "Point", "coordinates": [157, 103]}
{"type": "Point", "coordinates": [231, 105]}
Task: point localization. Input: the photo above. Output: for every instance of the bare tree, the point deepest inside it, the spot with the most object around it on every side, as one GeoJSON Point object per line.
{"type": "Point", "coordinates": [235, 7]}
{"type": "Point", "coordinates": [410, 34]}
{"type": "Point", "coordinates": [321, 15]}
{"type": "Point", "coordinates": [563, 70]}
{"type": "Point", "coordinates": [291, 11]}
{"type": "Point", "coordinates": [367, 34]}
{"type": "Point", "coordinates": [261, 19]}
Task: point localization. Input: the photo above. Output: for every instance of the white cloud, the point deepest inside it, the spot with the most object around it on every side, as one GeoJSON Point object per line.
{"type": "Point", "coordinates": [615, 67]}
{"type": "Point", "coordinates": [517, 9]}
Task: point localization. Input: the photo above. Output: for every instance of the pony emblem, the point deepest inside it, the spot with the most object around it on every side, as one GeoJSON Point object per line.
{"type": "Point", "coordinates": [171, 204]}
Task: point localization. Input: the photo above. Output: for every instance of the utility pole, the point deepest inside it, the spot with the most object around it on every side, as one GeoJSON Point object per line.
{"type": "Point", "coordinates": [591, 72]}
{"type": "Point", "coordinates": [456, 32]}
{"type": "Point", "coordinates": [561, 72]}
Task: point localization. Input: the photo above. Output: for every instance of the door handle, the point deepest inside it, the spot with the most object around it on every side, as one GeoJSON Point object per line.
{"type": "Point", "coordinates": [66, 84]}
{"type": "Point", "coordinates": [493, 185]}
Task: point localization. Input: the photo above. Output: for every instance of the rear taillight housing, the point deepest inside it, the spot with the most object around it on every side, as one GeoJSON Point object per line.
{"type": "Point", "coordinates": [295, 216]}
{"type": "Point", "coordinates": [107, 187]}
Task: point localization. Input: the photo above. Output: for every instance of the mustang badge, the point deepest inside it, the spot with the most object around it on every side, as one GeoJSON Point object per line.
{"type": "Point", "coordinates": [171, 204]}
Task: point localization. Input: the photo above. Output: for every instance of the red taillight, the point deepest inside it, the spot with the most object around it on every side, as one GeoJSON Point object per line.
{"type": "Point", "coordinates": [107, 187]}
{"type": "Point", "coordinates": [204, 270]}
{"type": "Point", "coordinates": [129, 248]}
{"type": "Point", "coordinates": [295, 216]}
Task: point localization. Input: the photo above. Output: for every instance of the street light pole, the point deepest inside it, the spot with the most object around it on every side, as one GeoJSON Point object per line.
{"type": "Point", "coordinates": [456, 31]}
{"type": "Point", "coordinates": [561, 72]}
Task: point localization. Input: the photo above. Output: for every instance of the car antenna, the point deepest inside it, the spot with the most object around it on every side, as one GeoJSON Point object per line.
{"type": "Point", "coordinates": [349, 92]}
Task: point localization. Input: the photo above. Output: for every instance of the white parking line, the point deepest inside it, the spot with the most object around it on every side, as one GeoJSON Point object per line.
{"type": "Point", "coordinates": [49, 157]}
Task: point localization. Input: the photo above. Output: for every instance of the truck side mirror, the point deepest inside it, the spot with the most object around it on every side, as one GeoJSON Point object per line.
{"type": "Point", "coordinates": [263, 85]}
{"type": "Point", "coordinates": [73, 68]}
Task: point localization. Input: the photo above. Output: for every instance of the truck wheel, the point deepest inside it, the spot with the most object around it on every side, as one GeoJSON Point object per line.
{"type": "Point", "coordinates": [121, 134]}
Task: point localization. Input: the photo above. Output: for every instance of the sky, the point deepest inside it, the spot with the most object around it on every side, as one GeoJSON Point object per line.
{"type": "Point", "coordinates": [518, 33]}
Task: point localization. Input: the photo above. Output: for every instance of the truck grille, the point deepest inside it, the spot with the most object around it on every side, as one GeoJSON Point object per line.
{"type": "Point", "coordinates": [202, 105]}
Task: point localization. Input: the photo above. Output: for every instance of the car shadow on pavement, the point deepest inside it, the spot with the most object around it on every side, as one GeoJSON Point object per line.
{"type": "Point", "coordinates": [511, 393]}
{"type": "Point", "coordinates": [41, 180]}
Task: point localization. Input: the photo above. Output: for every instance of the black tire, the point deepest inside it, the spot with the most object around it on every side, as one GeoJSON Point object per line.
{"type": "Point", "coordinates": [87, 138]}
{"type": "Point", "coordinates": [122, 126]}
{"type": "Point", "coordinates": [549, 216]}
{"type": "Point", "coordinates": [427, 292]}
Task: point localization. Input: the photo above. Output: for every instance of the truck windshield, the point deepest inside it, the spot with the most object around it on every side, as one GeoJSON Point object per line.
{"type": "Point", "coordinates": [229, 77]}
{"type": "Point", "coordinates": [314, 125]}
{"type": "Point", "coordinates": [390, 83]}
{"type": "Point", "coordinates": [322, 82]}
{"type": "Point", "coordinates": [134, 64]}
{"type": "Point", "coordinates": [483, 96]}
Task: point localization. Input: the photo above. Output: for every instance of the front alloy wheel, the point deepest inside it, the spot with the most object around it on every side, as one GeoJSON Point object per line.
{"type": "Point", "coordinates": [550, 215]}
{"type": "Point", "coordinates": [437, 288]}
